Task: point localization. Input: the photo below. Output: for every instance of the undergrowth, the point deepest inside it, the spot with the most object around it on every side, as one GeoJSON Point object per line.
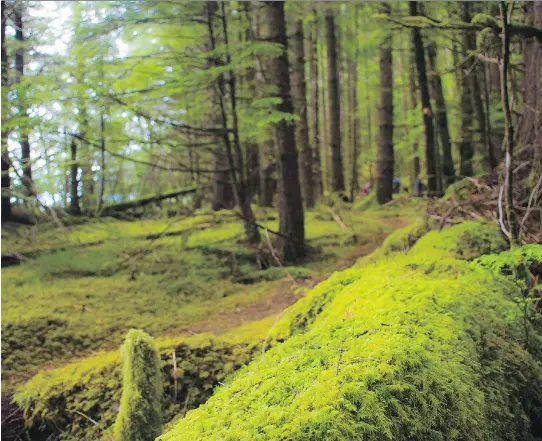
{"type": "Point", "coordinates": [162, 276]}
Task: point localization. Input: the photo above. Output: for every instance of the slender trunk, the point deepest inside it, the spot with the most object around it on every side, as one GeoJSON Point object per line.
{"type": "Point", "coordinates": [508, 128]}
{"type": "Point", "coordinates": [236, 156]}
{"type": "Point", "coordinates": [299, 96]}
{"type": "Point", "coordinates": [337, 176]}
{"type": "Point", "coordinates": [74, 183]}
{"type": "Point", "coordinates": [429, 131]}
{"type": "Point", "coordinates": [441, 115]}
{"type": "Point", "coordinates": [531, 131]}
{"type": "Point", "coordinates": [23, 127]}
{"type": "Point", "coordinates": [469, 40]}
{"type": "Point", "coordinates": [222, 189]}
{"type": "Point", "coordinates": [315, 114]}
{"type": "Point", "coordinates": [291, 243]}
{"type": "Point", "coordinates": [385, 159]}
{"type": "Point", "coordinates": [369, 117]}
{"type": "Point", "coordinates": [102, 149]}
{"type": "Point", "coordinates": [326, 173]}
{"type": "Point", "coordinates": [493, 161]}
{"type": "Point", "coordinates": [466, 148]}
{"type": "Point", "coordinates": [416, 169]}
{"type": "Point", "coordinates": [354, 185]}
{"type": "Point", "coordinates": [6, 180]}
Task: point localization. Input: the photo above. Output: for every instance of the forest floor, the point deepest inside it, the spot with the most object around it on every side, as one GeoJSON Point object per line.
{"type": "Point", "coordinates": [80, 288]}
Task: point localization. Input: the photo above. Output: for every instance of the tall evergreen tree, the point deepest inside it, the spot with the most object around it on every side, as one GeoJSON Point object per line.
{"type": "Point", "coordinates": [299, 95]}
{"type": "Point", "coordinates": [337, 175]}
{"type": "Point", "coordinates": [429, 130]}
{"type": "Point", "coordinates": [291, 242]}
{"type": "Point", "coordinates": [385, 159]}
{"type": "Point", "coordinates": [6, 180]}
{"type": "Point", "coordinates": [441, 116]}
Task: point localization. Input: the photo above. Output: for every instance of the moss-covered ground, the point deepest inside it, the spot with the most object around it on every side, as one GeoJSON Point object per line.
{"type": "Point", "coordinates": [426, 342]}
{"type": "Point", "coordinates": [82, 287]}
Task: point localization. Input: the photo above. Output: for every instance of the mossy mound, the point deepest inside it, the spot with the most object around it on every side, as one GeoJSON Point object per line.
{"type": "Point", "coordinates": [422, 346]}
{"type": "Point", "coordinates": [63, 401]}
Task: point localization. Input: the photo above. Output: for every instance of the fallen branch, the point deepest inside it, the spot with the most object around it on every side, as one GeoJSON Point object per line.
{"type": "Point", "coordinates": [110, 210]}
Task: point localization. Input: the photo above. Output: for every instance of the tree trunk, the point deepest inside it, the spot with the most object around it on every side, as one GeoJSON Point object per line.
{"type": "Point", "coordinates": [413, 88]}
{"type": "Point", "coordinates": [441, 115]}
{"type": "Point", "coordinates": [315, 106]}
{"type": "Point", "coordinates": [235, 154]}
{"type": "Point", "coordinates": [75, 209]}
{"type": "Point", "coordinates": [469, 41]}
{"type": "Point", "coordinates": [508, 128]}
{"type": "Point", "coordinates": [102, 149]}
{"type": "Point", "coordinates": [429, 131]}
{"type": "Point", "coordinates": [337, 176]}
{"type": "Point", "coordinates": [354, 184]}
{"type": "Point", "coordinates": [6, 180]}
{"type": "Point", "coordinates": [223, 198]}
{"type": "Point", "coordinates": [385, 160]}
{"type": "Point", "coordinates": [299, 96]}
{"type": "Point", "coordinates": [531, 132]}
{"type": "Point", "coordinates": [291, 218]}
{"type": "Point", "coordinates": [23, 127]}
{"type": "Point", "coordinates": [466, 149]}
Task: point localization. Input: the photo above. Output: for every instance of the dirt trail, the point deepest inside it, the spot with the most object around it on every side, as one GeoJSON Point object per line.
{"type": "Point", "coordinates": [286, 293]}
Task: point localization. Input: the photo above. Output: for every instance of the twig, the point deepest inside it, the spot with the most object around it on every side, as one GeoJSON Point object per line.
{"type": "Point", "coordinates": [501, 222]}
{"type": "Point", "coordinates": [276, 257]}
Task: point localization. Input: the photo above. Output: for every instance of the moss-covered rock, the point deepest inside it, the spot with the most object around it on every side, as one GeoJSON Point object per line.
{"type": "Point", "coordinates": [422, 346]}
{"type": "Point", "coordinates": [140, 413]}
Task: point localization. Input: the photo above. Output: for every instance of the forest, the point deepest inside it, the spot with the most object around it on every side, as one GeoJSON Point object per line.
{"type": "Point", "coordinates": [241, 220]}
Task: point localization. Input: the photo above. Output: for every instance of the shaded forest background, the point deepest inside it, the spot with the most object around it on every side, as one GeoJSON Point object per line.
{"type": "Point", "coordinates": [230, 104]}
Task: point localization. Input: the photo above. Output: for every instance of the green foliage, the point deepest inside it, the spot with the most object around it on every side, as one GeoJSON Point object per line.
{"type": "Point", "coordinates": [507, 263]}
{"type": "Point", "coordinates": [140, 413]}
{"type": "Point", "coordinates": [419, 346]}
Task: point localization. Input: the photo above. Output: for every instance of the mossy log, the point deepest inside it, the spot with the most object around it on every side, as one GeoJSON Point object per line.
{"type": "Point", "coordinates": [111, 210]}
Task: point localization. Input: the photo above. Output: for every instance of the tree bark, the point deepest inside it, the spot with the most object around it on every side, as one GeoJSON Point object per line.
{"type": "Point", "coordinates": [385, 159]}
{"type": "Point", "coordinates": [337, 176]}
{"type": "Point", "coordinates": [315, 106]}
{"type": "Point", "coordinates": [531, 131]}
{"type": "Point", "coordinates": [299, 96]}
{"type": "Point", "coordinates": [466, 148]}
{"type": "Point", "coordinates": [354, 184]}
{"type": "Point", "coordinates": [6, 180]}
{"type": "Point", "coordinates": [235, 155]}
{"type": "Point", "coordinates": [441, 115]}
{"type": "Point", "coordinates": [75, 208]}
{"type": "Point", "coordinates": [508, 128]}
{"type": "Point", "coordinates": [413, 88]}
{"type": "Point", "coordinates": [429, 130]}
{"type": "Point", "coordinates": [23, 112]}
{"type": "Point", "coordinates": [291, 217]}
{"type": "Point", "coordinates": [222, 188]}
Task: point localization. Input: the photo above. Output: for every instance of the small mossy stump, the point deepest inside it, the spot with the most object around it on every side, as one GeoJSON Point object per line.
{"type": "Point", "coordinates": [140, 414]}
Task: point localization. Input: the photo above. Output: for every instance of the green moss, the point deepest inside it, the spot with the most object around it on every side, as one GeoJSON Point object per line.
{"type": "Point", "coordinates": [466, 241]}
{"type": "Point", "coordinates": [421, 346]}
{"type": "Point", "coordinates": [140, 413]}
{"type": "Point", "coordinates": [86, 297]}
{"type": "Point", "coordinates": [64, 399]}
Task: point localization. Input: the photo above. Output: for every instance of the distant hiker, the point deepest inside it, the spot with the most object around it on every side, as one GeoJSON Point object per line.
{"type": "Point", "coordinates": [367, 187]}
{"type": "Point", "coordinates": [418, 187]}
{"type": "Point", "coordinates": [396, 185]}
